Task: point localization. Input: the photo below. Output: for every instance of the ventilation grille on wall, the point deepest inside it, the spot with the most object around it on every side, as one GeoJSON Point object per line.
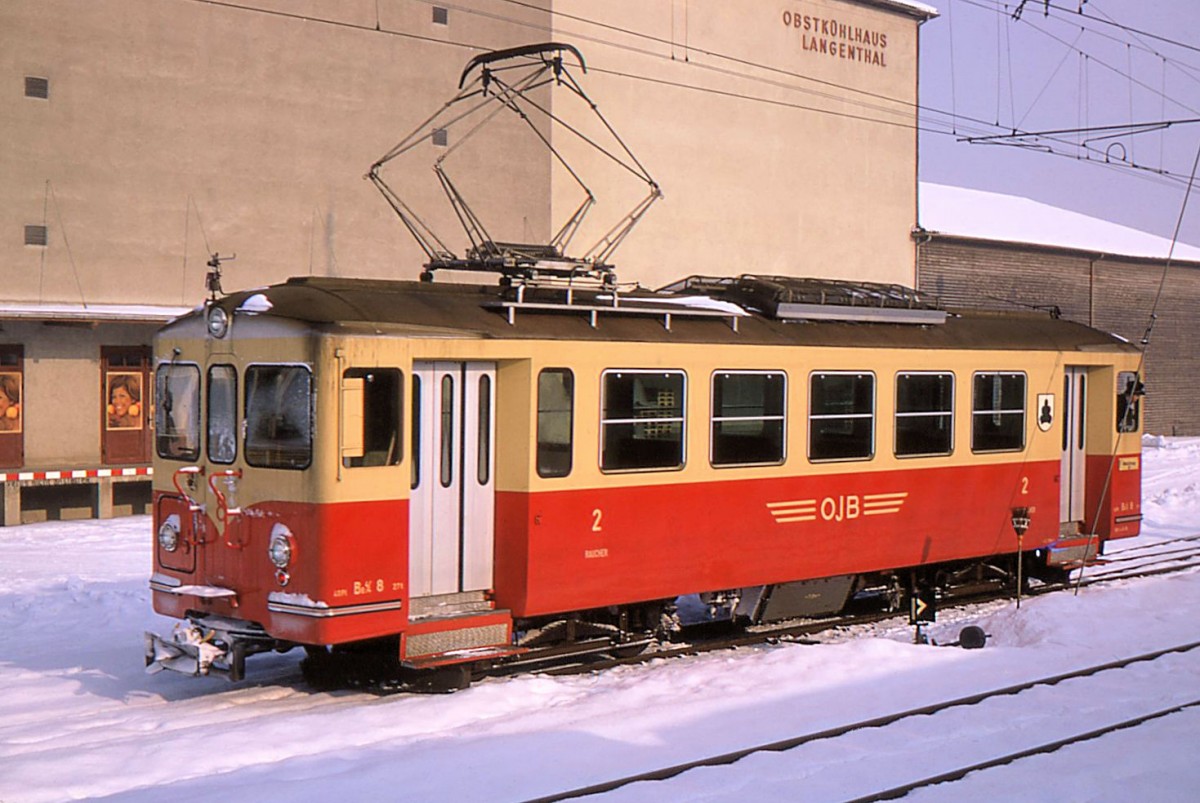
{"type": "Point", "coordinates": [35, 235]}
{"type": "Point", "coordinates": [37, 87]}
{"type": "Point", "coordinates": [441, 16]}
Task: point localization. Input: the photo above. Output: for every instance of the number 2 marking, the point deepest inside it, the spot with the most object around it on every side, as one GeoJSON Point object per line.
{"type": "Point", "coordinates": [596, 516]}
{"type": "Point", "coordinates": [1024, 486]}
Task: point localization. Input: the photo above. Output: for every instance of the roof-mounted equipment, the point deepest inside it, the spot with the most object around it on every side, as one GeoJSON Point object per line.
{"type": "Point", "coordinates": [794, 298]}
{"type": "Point", "coordinates": [505, 80]}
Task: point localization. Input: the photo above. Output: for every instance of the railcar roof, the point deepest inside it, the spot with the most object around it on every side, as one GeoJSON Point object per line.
{"type": "Point", "coordinates": [474, 311]}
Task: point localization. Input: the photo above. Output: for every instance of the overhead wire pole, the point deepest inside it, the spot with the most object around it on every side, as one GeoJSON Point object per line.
{"type": "Point", "coordinates": [1131, 392]}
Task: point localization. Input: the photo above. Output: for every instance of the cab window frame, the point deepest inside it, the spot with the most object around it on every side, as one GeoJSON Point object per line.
{"type": "Point", "coordinates": [251, 454]}
{"type": "Point", "coordinates": [211, 435]}
{"type": "Point", "coordinates": [162, 433]}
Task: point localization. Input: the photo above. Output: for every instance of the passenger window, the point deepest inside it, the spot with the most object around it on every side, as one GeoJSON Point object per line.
{"type": "Point", "coordinates": [447, 431]}
{"type": "Point", "coordinates": [747, 418]}
{"type": "Point", "coordinates": [1129, 401]}
{"type": "Point", "coordinates": [841, 420]}
{"type": "Point", "coordinates": [924, 414]}
{"type": "Point", "coordinates": [415, 440]}
{"type": "Point", "coordinates": [177, 412]}
{"type": "Point", "coordinates": [998, 412]}
{"type": "Point", "coordinates": [371, 402]}
{"type": "Point", "coordinates": [222, 414]}
{"type": "Point", "coordinates": [278, 416]}
{"type": "Point", "coordinates": [642, 420]}
{"type": "Point", "coordinates": [483, 463]}
{"type": "Point", "coordinates": [555, 422]}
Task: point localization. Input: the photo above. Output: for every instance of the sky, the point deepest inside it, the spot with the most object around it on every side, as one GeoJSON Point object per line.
{"type": "Point", "coordinates": [983, 73]}
{"type": "Point", "coordinates": [80, 719]}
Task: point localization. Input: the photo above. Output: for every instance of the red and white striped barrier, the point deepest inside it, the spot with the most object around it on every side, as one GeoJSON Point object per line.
{"type": "Point", "coordinates": [76, 474]}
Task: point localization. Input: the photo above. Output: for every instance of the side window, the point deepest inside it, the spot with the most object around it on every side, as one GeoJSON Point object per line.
{"type": "Point", "coordinates": [371, 402]}
{"type": "Point", "coordinates": [747, 418]}
{"type": "Point", "coordinates": [641, 425]}
{"type": "Point", "coordinates": [998, 412]}
{"type": "Point", "coordinates": [1129, 401]}
{"type": "Point", "coordinates": [841, 418]}
{"type": "Point", "coordinates": [279, 416]}
{"type": "Point", "coordinates": [555, 421]}
{"type": "Point", "coordinates": [924, 414]}
{"type": "Point", "coordinates": [177, 412]}
{"type": "Point", "coordinates": [222, 414]}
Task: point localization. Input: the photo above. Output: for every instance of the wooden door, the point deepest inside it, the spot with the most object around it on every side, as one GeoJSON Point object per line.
{"type": "Point", "coordinates": [124, 422]}
{"type": "Point", "coordinates": [12, 406]}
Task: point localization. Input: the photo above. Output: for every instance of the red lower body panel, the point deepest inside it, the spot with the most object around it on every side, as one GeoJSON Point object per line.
{"type": "Point", "coordinates": [347, 580]}
{"type": "Point", "coordinates": [590, 548]}
{"type": "Point", "coordinates": [1121, 507]}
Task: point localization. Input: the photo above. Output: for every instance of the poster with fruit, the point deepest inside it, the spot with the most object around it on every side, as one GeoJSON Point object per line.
{"type": "Point", "coordinates": [10, 401]}
{"type": "Point", "coordinates": [124, 399]}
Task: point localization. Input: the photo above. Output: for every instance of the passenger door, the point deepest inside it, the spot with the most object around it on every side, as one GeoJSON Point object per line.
{"type": "Point", "coordinates": [452, 506]}
{"type": "Point", "coordinates": [1074, 447]}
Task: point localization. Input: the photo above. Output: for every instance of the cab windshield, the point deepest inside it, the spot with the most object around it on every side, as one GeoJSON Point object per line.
{"type": "Point", "coordinates": [177, 412]}
{"type": "Point", "coordinates": [278, 416]}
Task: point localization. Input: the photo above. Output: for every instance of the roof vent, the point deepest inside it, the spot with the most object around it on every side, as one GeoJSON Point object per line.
{"type": "Point", "coordinates": [793, 298]}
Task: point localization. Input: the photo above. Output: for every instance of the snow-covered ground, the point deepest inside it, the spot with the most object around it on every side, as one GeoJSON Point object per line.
{"type": "Point", "coordinates": [80, 719]}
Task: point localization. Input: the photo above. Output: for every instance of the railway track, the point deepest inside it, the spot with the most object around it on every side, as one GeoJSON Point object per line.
{"type": "Point", "coordinates": [1050, 747]}
{"type": "Point", "coordinates": [785, 745]}
{"type": "Point", "coordinates": [598, 655]}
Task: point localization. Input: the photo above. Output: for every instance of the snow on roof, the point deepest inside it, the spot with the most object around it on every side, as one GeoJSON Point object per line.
{"type": "Point", "coordinates": [911, 6]}
{"type": "Point", "coordinates": [961, 212]}
{"type": "Point", "coordinates": [31, 310]}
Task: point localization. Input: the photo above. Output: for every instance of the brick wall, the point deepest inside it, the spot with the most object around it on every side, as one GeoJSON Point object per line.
{"type": "Point", "coordinates": [1115, 294]}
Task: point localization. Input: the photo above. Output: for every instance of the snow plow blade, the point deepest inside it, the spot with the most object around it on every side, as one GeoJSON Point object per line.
{"type": "Point", "coordinates": [190, 651]}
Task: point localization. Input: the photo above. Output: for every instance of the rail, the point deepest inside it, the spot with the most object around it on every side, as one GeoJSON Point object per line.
{"type": "Point", "coordinates": [783, 745]}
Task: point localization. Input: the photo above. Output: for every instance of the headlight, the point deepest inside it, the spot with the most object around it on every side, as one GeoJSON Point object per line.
{"type": "Point", "coordinates": [218, 321]}
{"type": "Point", "coordinates": [168, 534]}
{"type": "Point", "coordinates": [279, 549]}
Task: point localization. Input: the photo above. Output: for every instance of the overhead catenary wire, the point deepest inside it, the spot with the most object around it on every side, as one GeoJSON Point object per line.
{"type": "Point", "coordinates": [1075, 17]}
{"type": "Point", "coordinates": [922, 118]}
{"type": "Point", "coordinates": [1132, 391]}
{"type": "Point", "coordinates": [617, 29]}
{"type": "Point", "coordinates": [1116, 70]}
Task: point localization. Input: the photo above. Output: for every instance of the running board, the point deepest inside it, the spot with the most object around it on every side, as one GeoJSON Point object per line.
{"type": "Point", "coordinates": [459, 639]}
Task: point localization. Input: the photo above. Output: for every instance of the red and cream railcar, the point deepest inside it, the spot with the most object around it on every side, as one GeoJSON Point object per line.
{"type": "Point", "coordinates": [438, 470]}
